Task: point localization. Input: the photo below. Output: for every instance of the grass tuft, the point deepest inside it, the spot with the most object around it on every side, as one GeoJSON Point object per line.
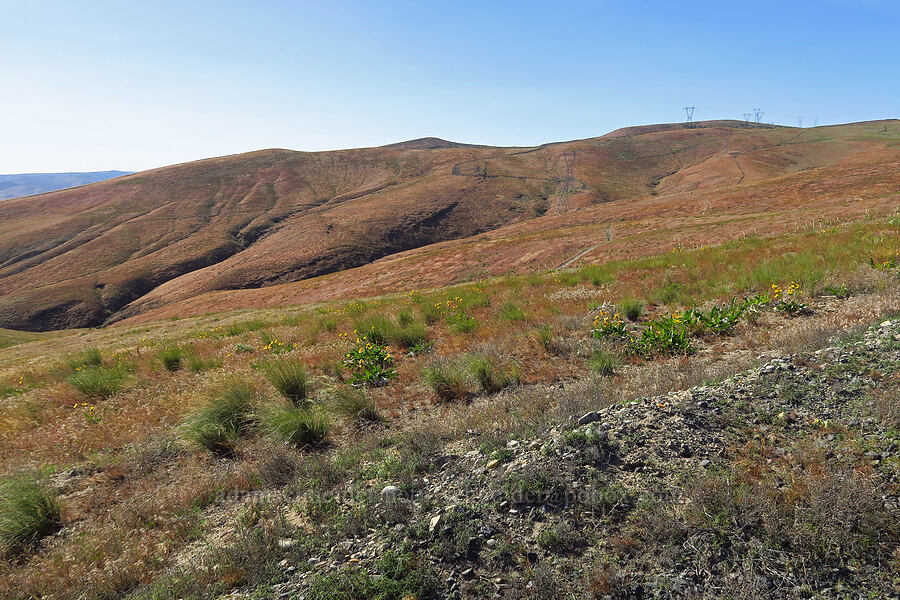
{"type": "Point", "coordinates": [299, 427]}
{"type": "Point", "coordinates": [355, 405]}
{"type": "Point", "coordinates": [86, 358]}
{"type": "Point", "coordinates": [98, 382]}
{"type": "Point", "coordinates": [289, 376]}
{"type": "Point", "coordinates": [447, 380]}
{"type": "Point", "coordinates": [171, 358]}
{"type": "Point", "coordinates": [227, 415]}
{"type": "Point", "coordinates": [28, 512]}
{"type": "Point", "coordinates": [632, 308]}
{"type": "Point", "coordinates": [605, 362]}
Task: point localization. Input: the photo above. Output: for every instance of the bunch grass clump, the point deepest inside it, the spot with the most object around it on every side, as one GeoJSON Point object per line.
{"type": "Point", "coordinates": [355, 405]}
{"type": "Point", "coordinates": [405, 333]}
{"type": "Point", "coordinates": [632, 308]}
{"type": "Point", "coordinates": [491, 373]}
{"type": "Point", "coordinates": [98, 382]}
{"type": "Point", "coordinates": [171, 357]}
{"type": "Point", "coordinates": [300, 427]}
{"type": "Point", "coordinates": [605, 361]}
{"type": "Point", "coordinates": [447, 380]}
{"type": "Point", "coordinates": [229, 413]}
{"type": "Point", "coordinates": [289, 376]}
{"type": "Point", "coordinates": [90, 357]}
{"type": "Point", "coordinates": [28, 512]}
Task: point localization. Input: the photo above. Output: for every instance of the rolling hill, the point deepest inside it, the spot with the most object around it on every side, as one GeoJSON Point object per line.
{"type": "Point", "coordinates": [284, 227]}
{"type": "Point", "coordinates": [29, 184]}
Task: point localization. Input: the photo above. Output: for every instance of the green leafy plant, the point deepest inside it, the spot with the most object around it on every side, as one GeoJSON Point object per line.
{"type": "Point", "coordinates": [789, 300]}
{"type": "Point", "coordinates": [369, 363]}
{"type": "Point", "coordinates": [722, 319]}
{"type": "Point", "coordinates": [664, 335]}
{"type": "Point", "coordinates": [608, 323]}
{"type": "Point", "coordinates": [289, 376]}
{"type": "Point", "coordinates": [28, 512]}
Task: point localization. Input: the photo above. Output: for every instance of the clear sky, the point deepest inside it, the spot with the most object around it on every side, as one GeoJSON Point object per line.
{"type": "Point", "coordinates": [96, 85]}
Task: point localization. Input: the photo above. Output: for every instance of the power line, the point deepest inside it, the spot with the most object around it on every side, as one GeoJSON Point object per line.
{"type": "Point", "coordinates": [757, 114]}
{"type": "Point", "coordinates": [799, 121]}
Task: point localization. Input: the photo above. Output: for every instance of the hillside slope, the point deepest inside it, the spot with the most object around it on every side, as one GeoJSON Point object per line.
{"type": "Point", "coordinates": [173, 237]}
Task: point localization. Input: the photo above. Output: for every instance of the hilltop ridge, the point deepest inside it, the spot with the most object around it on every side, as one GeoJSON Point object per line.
{"type": "Point", "coordinates": [418, 213]}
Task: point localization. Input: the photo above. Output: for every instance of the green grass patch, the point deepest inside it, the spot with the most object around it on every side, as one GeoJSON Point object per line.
{"type": "Point", "coordinates": [229, 413]}
{"type": "Point", "coordinates": [289, 376]}
{"type": "Point", "coordinates": [28, 511]}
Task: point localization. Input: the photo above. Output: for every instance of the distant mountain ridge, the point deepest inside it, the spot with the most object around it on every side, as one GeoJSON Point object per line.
{"type": "Point", "coordinates": [29, 184]}
{"type": "Point", "coordinates": [277, 227]}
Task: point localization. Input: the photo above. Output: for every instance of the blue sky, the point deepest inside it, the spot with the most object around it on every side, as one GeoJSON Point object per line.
{"type": "Point", "coordinates": [133, 85]}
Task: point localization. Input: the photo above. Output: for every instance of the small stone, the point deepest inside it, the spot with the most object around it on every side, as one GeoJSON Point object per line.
{"type": "Point", "coordinates": [589, 418]}
{"type": "Point", "coordinates": [286, 543]}
{"type": "Point", "coordinates": [512, 444]}
{"type": "Point", "coordinates": [390, 493]}
{"type": "Point", "coordinates": [704, 462]}
{"type": "Point", "coordinates": [493, 464]}
{"type": "Point", "coordinates": [468, 573]}
{"type": "Point", "coordinates": [434, 523]}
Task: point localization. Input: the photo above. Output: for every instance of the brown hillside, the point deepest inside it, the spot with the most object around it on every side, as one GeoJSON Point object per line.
{"type": "Point", "coordinates": [419, 213]}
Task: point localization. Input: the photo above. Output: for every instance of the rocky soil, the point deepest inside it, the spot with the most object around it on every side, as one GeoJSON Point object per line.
{"type": "Point", "coordinates": [781, 482]}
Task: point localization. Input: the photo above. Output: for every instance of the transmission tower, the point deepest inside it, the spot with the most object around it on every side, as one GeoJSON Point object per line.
{"type": "Point", "coordinates": [799, 121]}
{"type": "Point", "coordinates": [757, 114]}
{"type": "Point", "coordinates": [747, 117]}
{"type": "Point", "coordinates": [815, 121]}
{"type": "Point", "coordinates": [689, 112]}
{"type": "Point", "coordinates": [565, 184]}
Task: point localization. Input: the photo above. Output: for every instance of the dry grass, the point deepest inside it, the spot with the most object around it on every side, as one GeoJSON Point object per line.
{"type": "Point", "coordinates": [139, 494]}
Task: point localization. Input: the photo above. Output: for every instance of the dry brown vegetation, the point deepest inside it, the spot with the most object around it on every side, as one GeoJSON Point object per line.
{"type": "Point", "coordinates": [140, 502]}
{"type": "Point", "coordinates": [161, 243]}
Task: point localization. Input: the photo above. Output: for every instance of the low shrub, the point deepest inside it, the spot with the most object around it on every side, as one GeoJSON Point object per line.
{"type": "Point", "coordinates": [28, 512]}
{"type": "Point", "coordinates": [560, 538]}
